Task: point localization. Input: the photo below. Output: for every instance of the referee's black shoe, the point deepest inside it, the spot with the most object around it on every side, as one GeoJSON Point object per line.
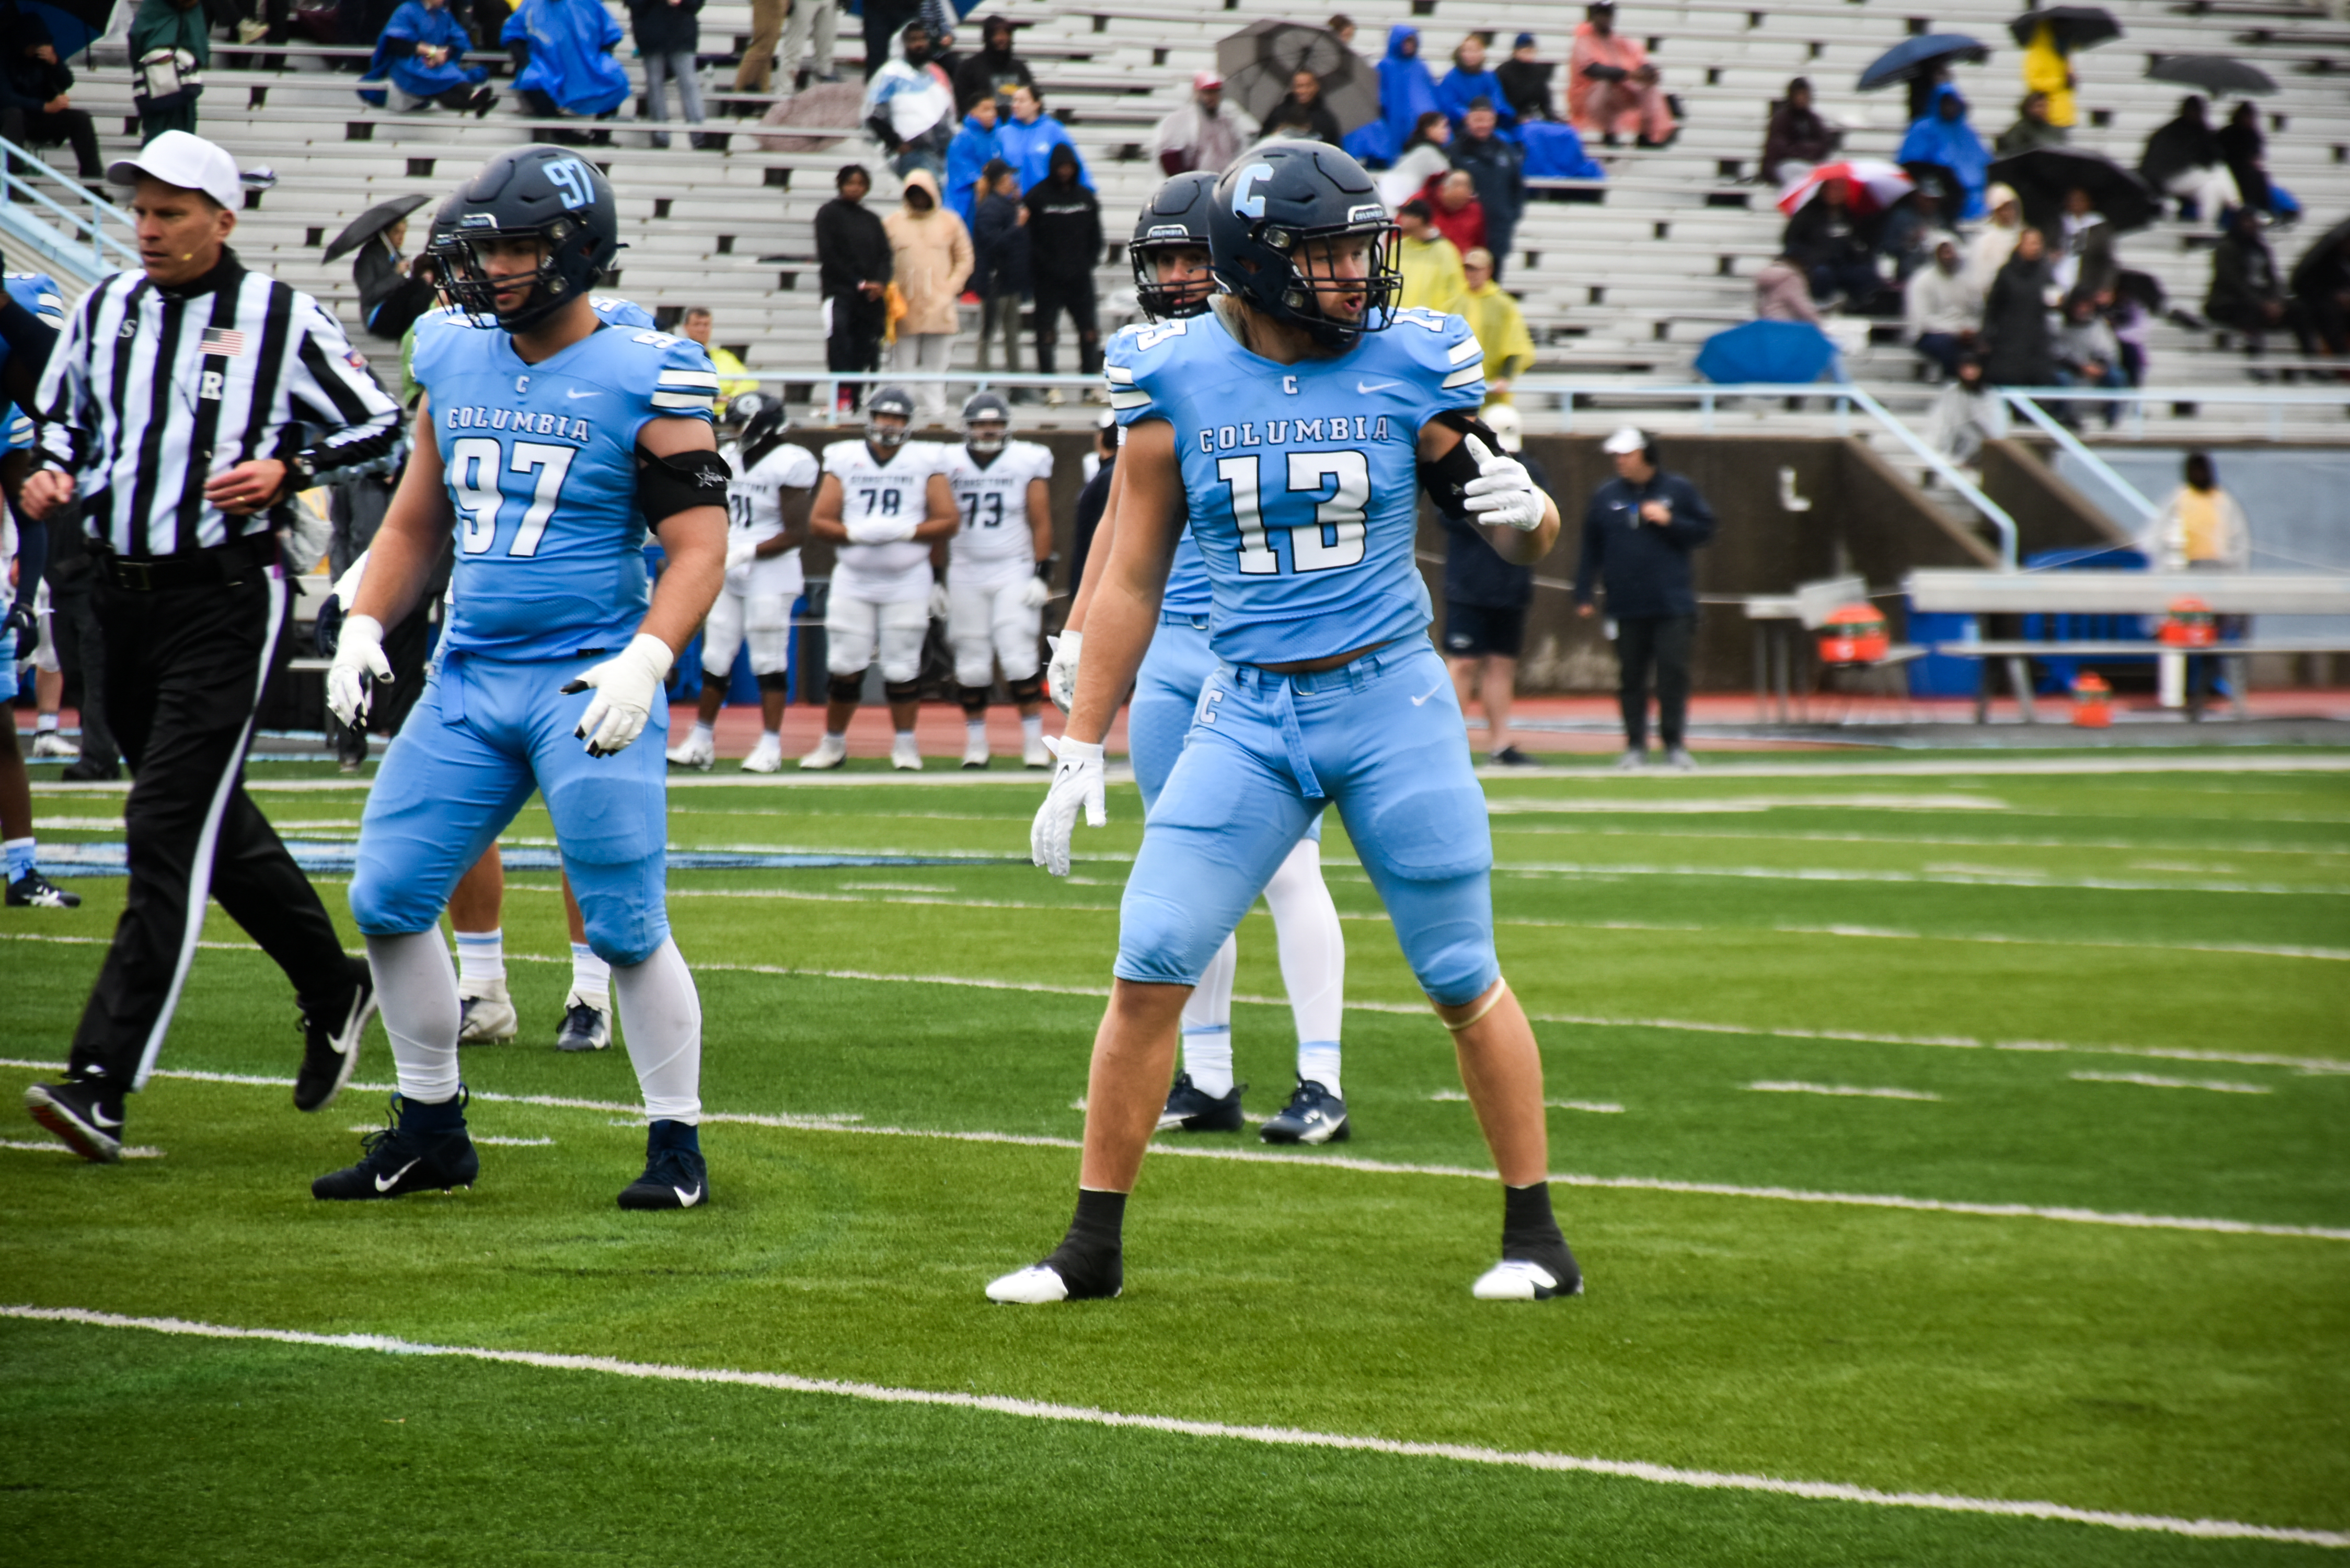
{"type": "Point", "coordinates": [424, 1148]}
{"type": "Point", "coordinates": [330, 1039]}
{"type": "Point", "coordinates": [85, 1117]}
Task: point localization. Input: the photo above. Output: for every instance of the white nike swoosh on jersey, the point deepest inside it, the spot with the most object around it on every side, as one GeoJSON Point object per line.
{"type": "Point", "coordinates": [386, 1183]}
{"type": "Point", "coordinates": [1365, 388]}
{"type": "Point", "coordinates": [1431, 692]}
{"type": "Point", "coordinates": [576, 393]}
{"type": "Point", "coordinates": [687, 1199]}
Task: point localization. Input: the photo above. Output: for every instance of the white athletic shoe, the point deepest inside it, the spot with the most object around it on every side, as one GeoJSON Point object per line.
{"type": "Point", "coordinates": [905, 754]}
{"type": "Point", "coordinates": [974, 751]}
{"type": "Point", "coordinates": [1680, 761]}
{"type": "Point", "coordinates": [766, 757]}
{"type": "Point", "coordinates": [50, 744]}
{"type": "Point", "coordinates": [1517, 1279]}
{"type": "Point", "coordinates": [830, 752]}
{"type": "Point", "coordinates": [486, 1014]}
{"type": "Point", "coordinates": [1032, 1286]}
{"type": "Point", "coordinates": [1033, 754]}
{"type": "Point", "coordinates": [694, 751]}
{"type": "Point", "coordinates": [1631, 762]}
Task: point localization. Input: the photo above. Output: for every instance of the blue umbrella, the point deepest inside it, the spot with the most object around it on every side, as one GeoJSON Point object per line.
{"type": "Point", "coordinates": [1910, 56]}
{"type": "Point", "coordinates": [1790, 352]}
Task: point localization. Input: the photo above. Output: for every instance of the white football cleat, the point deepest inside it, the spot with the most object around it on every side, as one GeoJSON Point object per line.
{"type": "Point", "coordinates": [1519, 1279]}
{"type": "Point", "coordinates": [766, 757]}
{"type": "Point", "coordinates": [830, 752]}
{"type": "Point", "coordinates": [485, 1014]}
{"type": "Point", "coordinates": [694, 751]}
{"type": "Point", "coordinates": [905, 754]}
{"type": "Point", "coordinates": [1033, 754]}
{"type": "Point", "coordinates": [974, 751]}
{"type": "Point", "coordinates": [1032, 1286]}
{"type": "Point", "coordinates": [50, 744]}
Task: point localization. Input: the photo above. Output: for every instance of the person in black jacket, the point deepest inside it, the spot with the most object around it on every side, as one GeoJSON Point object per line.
{"type": "Point", "coordinates": [992, 71]}
{"type": "Point", "coordinates": [1525, 80]}
{"type": "Point", "coordinates": [1485, 600]}
{"type": "Point", "coordinates": [1637, 534]}
{"type": "Point", "coordinates": [668, 33]}
{"type": "Point", "coordinates": [2182, 159]}
{"type": "Point", "coordinates": [1093, 500]}
{"type": "Point", "coordinates": [1065, 241]}
{"type": "Point", "coordinates": [2018, 349]}
{"type": "Point", "coordinates": [393, 290]}
{"type": "Point", "coordinates": [38, 111]}
{"type": "Point", "coordinates": [2239, 142]}
{"type": "Point", "coordinates": [1302, 113]}
{"type": "Point", "coordinates": [854, 269]}
{"type": "Point", "coordinates": [2247, 291]}
{"type": "Point", "coordinates": [1835, 246]}
{"type": "Point", "coordinates": [999, 246]}
{"type": "Point", "coordinates": [1498, 168]}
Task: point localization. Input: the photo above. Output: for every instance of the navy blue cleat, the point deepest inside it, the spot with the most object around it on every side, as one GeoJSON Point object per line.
{"type": "Point", "coordinates": [1193, 1109]}
{"type": "Point", "coordinates": [85, 1117]}
{"type": "Point", "coordinates": [423, 1150]}
{"type": "Point", "coordinates": [1314, 1115]}
{"type": "Point", "coordinates": [675, 1175]}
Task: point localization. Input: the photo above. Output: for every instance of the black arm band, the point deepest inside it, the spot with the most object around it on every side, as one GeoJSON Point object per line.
{"type": "Point", "coordinates": [1044, 569]}
{"type": "Point", "coordinates": [668, 486]}
{"type": "Point", "coordinates": [1446, 478]}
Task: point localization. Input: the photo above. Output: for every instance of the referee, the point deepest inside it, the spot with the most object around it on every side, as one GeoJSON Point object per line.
{"type": "Point", "coordinates": [183, 406]}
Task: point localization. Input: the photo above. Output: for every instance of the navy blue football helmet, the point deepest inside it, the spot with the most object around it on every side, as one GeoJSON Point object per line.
{"type": "Point", "coordinates": [1175, 219]}
{"type": "Point", "coordinates": [1278, 201]}
{"type": "Point", "coordinates": [549, 193]}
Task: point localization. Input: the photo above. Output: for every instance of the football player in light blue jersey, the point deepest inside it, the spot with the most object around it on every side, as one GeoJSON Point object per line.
{"type": "Point", "coordinates": [1297, 422]}
{"type": "Point", "coordinates": [26, 542]}
{"type": "Point", "coordinates": [549, 440]}
{"type": "Point", "coordinates": [1169, 255]}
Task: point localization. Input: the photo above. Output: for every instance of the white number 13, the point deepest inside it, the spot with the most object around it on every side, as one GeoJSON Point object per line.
{"type": "Point", "coordinates": [1335, 537]}
{"type": "Point", "coordinates": [474, 476]}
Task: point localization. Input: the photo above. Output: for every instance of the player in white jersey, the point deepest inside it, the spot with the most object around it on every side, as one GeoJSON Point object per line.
{"type": "Point", "coordinates": [885, 504]}
{"type": "Point", "coordinates": [999, 573]}
{"type": "Point", "coordinates": [767, 512]}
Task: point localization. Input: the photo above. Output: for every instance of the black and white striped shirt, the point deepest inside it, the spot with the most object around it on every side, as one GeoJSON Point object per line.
{"type": "Point", "coordinates": [150, 393]}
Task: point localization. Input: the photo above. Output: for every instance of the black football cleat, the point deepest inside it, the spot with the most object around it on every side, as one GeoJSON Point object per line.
{"type": "Point", "coordinates": [35, 891]}
{"type": "Point", "coordinates": [330, 1040]}
{"type": "Point", "coordinates": [407, 1156]}
{"type": "Point", "coordinates": [85, 1117]}
{"type": "Point", "coordinates": [675, 1174]}
{"type": "Point", "coordinates": [1192, 1109]}
{"type": "Point", "coordinates": [585, 1027]}
{"type": "Point", "coordinates": [1312, 1115]}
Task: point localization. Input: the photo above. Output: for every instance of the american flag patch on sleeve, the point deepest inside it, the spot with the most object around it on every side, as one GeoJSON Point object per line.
{"type": "Point", "coordinates": [224, 342]}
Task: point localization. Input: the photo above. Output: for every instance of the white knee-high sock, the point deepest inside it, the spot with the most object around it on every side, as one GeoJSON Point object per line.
{"type": "Point", "coordinates": [661, 1015]}
{"type": "Point", "coordinates": [1312, 959]}
{"type": "Point", "coordinates": [1208, 1023]}
{"type": "Point", "coordinates": [416, 987]}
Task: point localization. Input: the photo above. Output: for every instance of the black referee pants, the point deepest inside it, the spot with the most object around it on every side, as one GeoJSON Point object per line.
{"type": "Point", "coordinates": [185, 672]}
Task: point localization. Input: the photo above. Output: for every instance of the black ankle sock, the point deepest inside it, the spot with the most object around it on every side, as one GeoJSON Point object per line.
{"type": "Point", "coordinates": [1526, 1221]}
{"type": "Point", "coordinates": [1088, 1259]}
{"type": "Point", "coordinates": [434, 1120]}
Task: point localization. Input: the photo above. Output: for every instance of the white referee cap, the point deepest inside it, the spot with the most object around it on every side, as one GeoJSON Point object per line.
{"type": "Point", "coordinates": [178, 158]}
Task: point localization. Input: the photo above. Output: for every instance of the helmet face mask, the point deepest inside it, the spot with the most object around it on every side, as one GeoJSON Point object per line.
{"type": "Point", "coordinates": [1175, 221]}
{"type": "Point", "coordinates": [986, 423]}
{"type": "Point", "coordinates": [888, 417]}
{"type": "Point", "coordinates": [1300, 235]}
{"type": "Point", "coordinates": [540, 199]}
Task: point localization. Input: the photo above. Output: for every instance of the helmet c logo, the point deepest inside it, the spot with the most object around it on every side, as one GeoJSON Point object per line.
{"type": "Point", "coordinates": [1246, 204]}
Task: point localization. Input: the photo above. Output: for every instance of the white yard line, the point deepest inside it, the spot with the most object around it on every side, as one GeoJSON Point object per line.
{"type": "Point", "coordinates": [34, 1146]}
{"type": "Point", "coordinates": [2147, 1080]}
{"type": "Point", "coordinates": [1279, 1437]}
{"type": "Point", "coordinates": [1931, 841]}
{"type": "Point", "coordinates": [1983, 876]}
{"type": "Point", "coordinates": [1598, 1107]}
{"type": "Point", "coordinates": [1850, 1091]}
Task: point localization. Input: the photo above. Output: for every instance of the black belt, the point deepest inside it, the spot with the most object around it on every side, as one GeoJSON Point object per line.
{"type": "Point", "coordinates": [223, 564]}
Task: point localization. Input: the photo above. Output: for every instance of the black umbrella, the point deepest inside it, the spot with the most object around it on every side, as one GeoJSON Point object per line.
{"type": "Point", "coordinates": [2214, 73]}
{"type": "Point", "coordinates": [371, 222]}
{"type": "Point", "coordinates": [1911, 57]}
{"type": "Point", "coordinates": [2306, 278]}
{"type": "Point", "coordinates": [1257, 62]}
{"type": "Point", "coordinates": [2042, 176]}
{"type": "Point", "coordinates": [2075, 26]}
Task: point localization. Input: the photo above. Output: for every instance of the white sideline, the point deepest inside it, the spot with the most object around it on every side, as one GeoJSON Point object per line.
{"type": "Point", "coordinates": [1282, 1436]}
{"type": "Point", "coordinates": [833, 1122]}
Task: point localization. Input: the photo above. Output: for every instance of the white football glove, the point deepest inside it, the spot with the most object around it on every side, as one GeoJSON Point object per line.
{"type": "Point", "coordinates": [359, 653]}
{"type": "Point", "coordinates": [880, 531]}
{"type": "Point", "coordinates": [1061, 674]}
{"type": "Point", "coordinates": [940, 603]}
{"type": "Point", "coordinates": [626, 685]}
{"type": "Point", "coordinates": [1034, 593]}
{"type": "Point", "coordinates": [1502, 491]}
{"type": "Point", "coordinates": [741, 553]}
{"type": "Point", "coordinates": [1077, 782]}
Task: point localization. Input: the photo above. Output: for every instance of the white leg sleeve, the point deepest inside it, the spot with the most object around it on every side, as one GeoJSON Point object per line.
{"type": "Point", "coordinates": [903, 627]}
{"type": "Point", "coordinates": [722, 636]}
{"type": "Point", "coordinates": [968, 609]}
{"type": "Point", "coordinates": [1015, 627]}
{"type": "Point", "coordinates": [849, 629]}
{"type": "Point", "coordinates": [416, 987]}
{"type": "Point", "coordinates": [1313, 947]}
{"type": "Point", "coordinates": [661, 1015]}
{"type": "Point", "coordinates": [1211, 1006]}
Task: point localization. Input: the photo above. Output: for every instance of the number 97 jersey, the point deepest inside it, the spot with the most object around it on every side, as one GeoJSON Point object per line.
{"type": "Point", "coordinates": [540, 461]}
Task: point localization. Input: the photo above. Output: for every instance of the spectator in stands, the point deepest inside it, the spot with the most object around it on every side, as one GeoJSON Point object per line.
{"type": "Point", "coordinates": [1469, 80]}
{"type": "Point", "coordinates": [2247, 293]}
{"type": "Point", "coordinates": [563, 59]}
{"type": "Point", "coordinates": [1783, 293]}
{"type": "Point", "coordinates": [1204, 134]}
{"type": "Point", "coordinates": [2087, 354]}
{"type": "Point", "coordinates": [394, 289]}
{"type": "Point", "coordinates": [1432, 274]}
{"type": "Point", "coordinates": [1342, 27]}
{"type": "Point", "coordinates": [1029, 137]}
{"type": "Point", "coordinates": [1797, 138]}
{"type": "Point", "coordinates": [1995, 241]}
{"type": "Point", "coordinates": [938, 19]}
{"type": "Point", "coordinates": [1942, 137]}
{"type": "Point", "coordinates": [929, 260]}
{"type": "Point", "coordinates": [2240, 143]}
{"type": "Point", "coordinates": [793, 22]}
{"type": "Point", "coordinates": [1966, 414]}
{"type": "Point", "coordinates": [1303, 114]}
{"type": "Point", "coordinates": [422, 52]}
{"type": "Point", "coordinates": [2017, 350]}
{"type": "Point", "coordinates": [1407, 91]}
{"type": "Point", "coordinates": [976, 147]}
{"type": "Point", "coordinates": [1492, 313]}
{"type": "Point", "coordinates": [43, 114]}
{"type": "Point", "coordinates": [2202, 527]}
{"type": "Point", "coordinates": [733, 376]}
{"type": "Point", "coordinates": [1525, 81]}
{"type": "Point", "coordinates": [1485, 600]}
{"type": "Point", "coordinates": [994, 71]}
{"type": "Point", "coordinates": [1422, 158]}
{"type": "Point", "coordinates": [2133, 326]}
{"type": "Point", "coordinates": [2320, 285]}
{"type": "Point", "coordinates": [884, 19]}
{"type": "Point", "coordinates": [1611, 87]}
{"type": "Point", "coordinates": [1497, 171]}
{"type": "Point", "coordinates": [1457, 214]}
{"type": "Point", "coordinates": [853, 263]}
{"type": "Point", "coordinates": [668, 33]}
{"type": "Point", "coordinates": [1834, 246]}
{"type": "Point", "coordinates": [1637, 534]}
{"type": "Point", "coordinates": [1942, 309]}
{"type": "Point", "coordinates": [2182, 159]}
{"type": "Point", "coordinates": [999, 244]}
{"type": "Point", "coordinates": [1064, 246]}
{"type": "Point", "coordinates": [2030, 130]}
{"type": "Point", "coordinates": [909, 107]}
{"type": "Point", "coordinates": [2085, 248]}
{"type": "Point", "coordinates": [167, 38]}
{"type": "Point", "coordinates": [2048, 75]}
{"type": "Point", "coordinates": [1908, 234]}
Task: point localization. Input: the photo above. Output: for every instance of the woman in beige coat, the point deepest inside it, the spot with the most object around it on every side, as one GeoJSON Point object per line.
{"type": "Point", "coordinates": [931, 250]}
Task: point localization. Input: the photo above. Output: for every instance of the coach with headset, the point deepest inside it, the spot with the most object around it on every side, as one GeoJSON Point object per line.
{"type": "Point", "coordinates": [183, 408]}
{"type": "Point", "coordinates": [1638, 535]}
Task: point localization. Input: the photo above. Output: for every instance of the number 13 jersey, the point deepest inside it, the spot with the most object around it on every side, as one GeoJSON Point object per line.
{"type": "Point", "coordinates": [540, 461]}
{"type": "Point", "coordinates": [1303, 480]}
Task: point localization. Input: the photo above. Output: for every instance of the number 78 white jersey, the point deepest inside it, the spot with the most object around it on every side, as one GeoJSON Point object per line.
{"type": "Point", "coordinates": [895, 491]}
{"type": "Point", "coordinates": [997, 538]}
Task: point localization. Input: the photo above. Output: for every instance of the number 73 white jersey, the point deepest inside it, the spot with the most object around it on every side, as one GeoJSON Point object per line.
{"type": "Point", "coordinates": [997, 537]}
